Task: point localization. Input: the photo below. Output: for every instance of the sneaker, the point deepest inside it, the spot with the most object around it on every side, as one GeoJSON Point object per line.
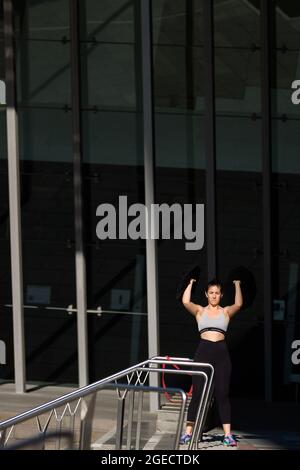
{"type": "Point", "coordinates": [185, 438]}
{"type": "Point", "coordinates": [229, 441]}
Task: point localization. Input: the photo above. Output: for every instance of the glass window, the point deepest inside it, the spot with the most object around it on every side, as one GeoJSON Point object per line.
{"type": "Point", "coordinates": [178, 67]}
{"type": "Point", "coordinates": [49, 270]}
{"type": "Point", "coordinates": [47, 201]}
{"type": "Point", "coordinates": [113, 167]}
{"type": "Point", "coordinates": [43, 53]}
{"type": "Point", "coordinates": [108, 21]}
{"type": "Point", "coordinates": [239, 236]}
{"type": "Point", "coordinates": [287, 71]}
{"type": "Point", "coordinates": [45, 135]}
{"type": "Point", "coordinates": [179, 140]}
{"type": "Point", "coordinates": [45, 70]}
{"type": "Point", "coordinates": [169, 22]}
{"type": "Point", "coordinates": [237, 26]}
{"type": "Point", "coordinates": [237, 57]}
{"type": "Point", "coordinates": [239, 182]}
{"type": "Point", "coordinates": [287, 32]}
{"type": "Point", "coordinates": [286, 258]}
{"type": "Point", "coordinates": [237, 82]}
{"type": "Point", "coordinates": [116, 272]}
{"type": "Point", "coordinates": [238, 142]}
{"type": "Point", "coordinates": [44, 19]}
{"type": "Point", "coordinates": [285, 158]}
{"type": "Point", "coordinates": [286, 174]}
{"type": "Point", "coordinates": [177, 55]}
{"type": "Point", "coordinates": [111, 138]}
{"type": "Point", "coordinates": [111, 85]}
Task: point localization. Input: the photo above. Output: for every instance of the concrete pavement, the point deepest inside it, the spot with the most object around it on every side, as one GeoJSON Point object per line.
{"type": "Point", "coordinates": [257, 425]}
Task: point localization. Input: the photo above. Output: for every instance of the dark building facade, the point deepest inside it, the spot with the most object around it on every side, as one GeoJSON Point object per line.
{"type": "Point", "coordinates": [224, 134]}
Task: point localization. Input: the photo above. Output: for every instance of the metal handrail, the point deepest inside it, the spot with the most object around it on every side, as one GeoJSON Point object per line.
{"type": "Point", "coordinates": [96, 386]}
{"type": "Point", "coordinates": [205, 396]}
{"type": "Point", "coordinates": [57, 402]}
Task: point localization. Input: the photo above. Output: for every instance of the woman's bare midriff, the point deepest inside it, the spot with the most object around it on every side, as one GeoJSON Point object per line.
{"type": "Point", "coordinates": [212, 336]}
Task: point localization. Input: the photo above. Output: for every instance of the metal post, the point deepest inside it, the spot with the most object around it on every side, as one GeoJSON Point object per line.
{"type": "Point", "coordinates": [210, 137]}
{"type": "Point", "coordinates": [139, 420]}
{"type": "Point", "coordinates": [149, 168]}
{"type": "Point", "coordinates": [14, 200]}
{"type": "Point", "coordinates": [130, 418]}
{"type": "Point", "coordinates": [78, 200]}
{"type": "Point", "coordinates": [120, 423]}
{"type": "Point", "coordinates": [267, 21]}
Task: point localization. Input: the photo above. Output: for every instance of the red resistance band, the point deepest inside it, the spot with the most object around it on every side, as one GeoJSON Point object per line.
{"type": "Point", "coordinates": [168, 397]}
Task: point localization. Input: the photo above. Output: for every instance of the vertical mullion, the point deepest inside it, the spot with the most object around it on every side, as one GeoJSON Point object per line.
{"type": "Point", "coordinates": [267, 23]}
{"type": "Point", "coordinates": [189, 62]}
{"type": "Point", "coordinates": [80, 260]}
{"type": "Point", "coordinates": [190, 100]}
{"type": "Point", "coordinates": [14, 200]}
{"type": "Point", "coordinates": [149, 171]}
{"type": "Point", "coordinates": [210, 137]}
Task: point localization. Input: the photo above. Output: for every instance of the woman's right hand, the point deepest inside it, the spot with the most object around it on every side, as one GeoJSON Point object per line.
{"type": "Point", "coordinates": [192, 280]}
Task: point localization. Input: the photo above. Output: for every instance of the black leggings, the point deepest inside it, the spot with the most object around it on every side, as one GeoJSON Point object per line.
{"type": "Point", "coordinates": [216, 354]}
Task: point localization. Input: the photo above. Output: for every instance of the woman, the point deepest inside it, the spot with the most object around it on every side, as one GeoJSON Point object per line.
{"type": "Point", "coordinates": [212, 323]}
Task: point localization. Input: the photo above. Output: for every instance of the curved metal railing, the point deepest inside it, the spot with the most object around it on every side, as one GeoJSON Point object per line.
{"type": "Point", "coordinates": [83, 401]}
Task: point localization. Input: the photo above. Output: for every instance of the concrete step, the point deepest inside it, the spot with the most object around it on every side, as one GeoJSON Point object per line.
{"type": "Point", "coordinates": [167, 416]}
{"type": "Point", "coordinates": [108, 440]}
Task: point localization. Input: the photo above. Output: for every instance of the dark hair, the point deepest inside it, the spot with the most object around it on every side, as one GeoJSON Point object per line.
{"type": "Point", "coordinates": [214, 282]}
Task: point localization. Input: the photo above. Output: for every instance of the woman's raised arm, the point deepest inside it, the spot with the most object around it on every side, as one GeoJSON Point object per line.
{"type": "Point", "coordinates": [238, 300]}
{"type": "Point", "coordinates": [194, 309]}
